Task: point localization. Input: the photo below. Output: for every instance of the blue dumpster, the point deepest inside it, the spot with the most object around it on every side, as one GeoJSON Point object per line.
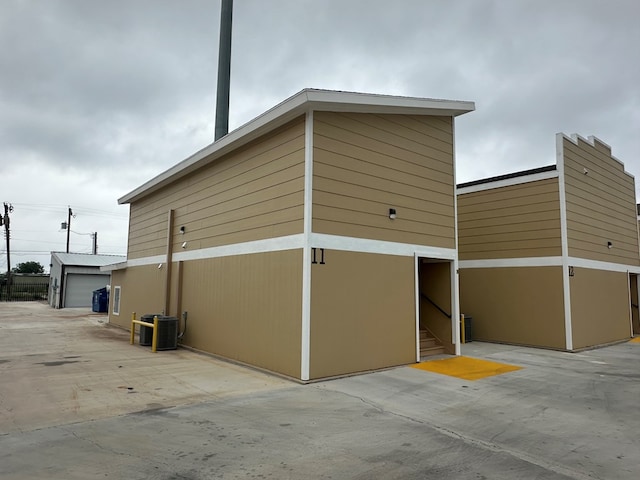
{"type": "Point", "coordinates": [100, 302]}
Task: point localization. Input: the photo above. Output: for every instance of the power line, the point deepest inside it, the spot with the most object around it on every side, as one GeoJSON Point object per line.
{"type": "Point", "coordinates": [34, 241]}
{"type": "Point", "coordinates": [48, 252]}
{"type": "Point", "coordinates": [40, 207]}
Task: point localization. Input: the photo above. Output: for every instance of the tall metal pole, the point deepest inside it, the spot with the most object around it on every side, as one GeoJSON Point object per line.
{"type": "Point", "coordinates": [224, 70]}
{"type": "Point", "coordinates": [68, 227]}
{"type": "Point", "coordinates": [95, 243]}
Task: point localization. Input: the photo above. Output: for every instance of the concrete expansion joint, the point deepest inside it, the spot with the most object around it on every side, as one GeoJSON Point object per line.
{"type": "Point", "coordinates": [476, 442]}
{"type": "Point", "coordinates": [370, 403]}
{"type": "Point", "coordinates": [96, 444]}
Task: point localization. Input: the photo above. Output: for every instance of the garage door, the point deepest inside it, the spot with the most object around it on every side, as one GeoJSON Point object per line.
{"type": "Point", "coordinates": [79, 289]}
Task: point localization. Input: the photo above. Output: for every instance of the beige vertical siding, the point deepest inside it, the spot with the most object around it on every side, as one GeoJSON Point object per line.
{"type": "Point", "coordinates": [362, 313]}
{"type": "Point", "coordinates": [247, 308]}
{"type": "Point", "coordinates": [600, 307]}
{"type": "Point", "coordinates": [435, 283]}
{"type": "Point", "coordinates": [365, 164]}
{"type": "Point", "coordinates": [253, 193]}
{"type": "Point", "coordinates": [141, 291]}
{"type": "Point", "coordinates": [515, 305]}
{"type": "Point", "coordinates": [601, 205]}
{"type": "Point", "coordinates": [510, 222]}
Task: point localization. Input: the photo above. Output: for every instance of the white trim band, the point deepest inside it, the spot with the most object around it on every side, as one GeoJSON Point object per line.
{"type": "Point", "coordinates": [300, 240]}
{"type": "Point", "coordinates": [364, 245]}
{"type": "Point", "coordinates": [549, 262]}
{"type": "Point", "coordinates": [289, 242]}
{"type": "Point", "coordinates": [512, 262]}
{"type": "Point", "coordinates": [607, 266]}
{"type": "Point", "coordinates": [139, 262]}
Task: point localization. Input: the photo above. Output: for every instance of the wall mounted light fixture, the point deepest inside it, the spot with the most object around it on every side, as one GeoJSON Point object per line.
{"type": "Point", "coordinates": [159, 266]}
{"type": "Point", "coordinates": [585, 171]}
{"type": "Point", "coordinates": [184, 245]}
{"type": "Point", "coordinates": [392, 213]}
{"type": "Point", "coordinates": [609, 245]}
{"type": "Point", "coordinates": [182, 230]}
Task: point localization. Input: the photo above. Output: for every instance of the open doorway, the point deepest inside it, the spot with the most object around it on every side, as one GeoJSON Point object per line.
{"type": "Point", "coordinates": [633, 295]}
{"type": "Point", "coordinates": [435, 307]}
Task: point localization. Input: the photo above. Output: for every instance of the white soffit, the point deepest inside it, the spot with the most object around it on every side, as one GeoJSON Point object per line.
{"type": "Point", "coordinates": [298, 104]}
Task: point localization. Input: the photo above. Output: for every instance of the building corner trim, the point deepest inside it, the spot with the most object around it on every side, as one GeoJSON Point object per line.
{"type": "Point", "coordinates": [416, 279]}
{"type": "Point", "coordinates": [455, 280]}
{"type": "Point", "coordinates": [568, 329]}
{"type": "Point", "coordinates": [305, 356]}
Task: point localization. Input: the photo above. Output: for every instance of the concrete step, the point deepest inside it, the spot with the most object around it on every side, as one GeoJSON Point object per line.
{"type": "Point", "coordinates": [428, 342]}
{"type": "Point", "coordinates": [429, 346]}
{"type": "Point", "coordinates": [430, 351]}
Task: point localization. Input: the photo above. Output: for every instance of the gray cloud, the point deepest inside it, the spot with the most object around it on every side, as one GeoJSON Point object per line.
{"type": "Point", "coordinates": [97, 97]}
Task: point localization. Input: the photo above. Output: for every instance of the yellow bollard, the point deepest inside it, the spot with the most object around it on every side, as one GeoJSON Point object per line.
{"type": "Point", "coordinates": [154, 341]}
{"type": "Point", "coordinates": [462, 335]}
{"type": "Point", "coordinates": [133, 327]}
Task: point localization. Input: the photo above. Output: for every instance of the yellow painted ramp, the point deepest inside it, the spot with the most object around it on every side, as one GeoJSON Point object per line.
{"type": "Point", "coordinates": [466, 368]}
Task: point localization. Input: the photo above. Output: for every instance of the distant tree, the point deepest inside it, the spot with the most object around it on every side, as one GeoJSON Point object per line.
{"type": "Point", "coordinates": [29, 267]}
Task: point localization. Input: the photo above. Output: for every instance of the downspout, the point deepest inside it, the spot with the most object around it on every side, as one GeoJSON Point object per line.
{"type": "Point", "coordinates": [179, 289]}
{"type": "Point", "coordinates": [167, 279]}
{"type": "Point", "coordinates": [179, 312]}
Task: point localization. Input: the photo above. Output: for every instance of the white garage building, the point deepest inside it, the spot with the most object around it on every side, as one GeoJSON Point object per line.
{"type": "Point", "coordinates": [74, 277]}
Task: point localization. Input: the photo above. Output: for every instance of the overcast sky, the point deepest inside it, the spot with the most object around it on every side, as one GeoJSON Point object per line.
{"type": "Point", "coordinates": [97, 97]}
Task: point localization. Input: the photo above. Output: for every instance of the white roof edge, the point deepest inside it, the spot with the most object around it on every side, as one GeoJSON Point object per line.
{"type": "Point", "coordinates": [529, 178]}
{"type": "Point", "coordinates": [307, 99]}
{"type": "Point", "coordinates": [113, 266]}
{"type": "Point", "coordinates": [334, 98]}
{"type": "Point", "coordinates": [85, 259]}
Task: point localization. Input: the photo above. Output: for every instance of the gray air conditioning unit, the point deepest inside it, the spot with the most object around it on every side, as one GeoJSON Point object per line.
{"type": "Point", "coordinates": [167, 332]}
{"type": "Point", "coordinates": [146, 333]}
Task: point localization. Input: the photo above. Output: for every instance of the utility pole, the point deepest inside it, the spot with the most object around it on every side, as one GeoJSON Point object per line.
{"type": "Point", "coordinates": [68, 227]}
{"type": "Point", "coordinates": [95, 243]}
{"type": "Point", "coordinates": [4, 220]}
{"type": "Point", "coordinates": [224, 70]}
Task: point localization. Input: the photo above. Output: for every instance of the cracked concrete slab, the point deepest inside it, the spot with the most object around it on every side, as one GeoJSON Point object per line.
{"type": "Point", "coordinates": [122, 412]}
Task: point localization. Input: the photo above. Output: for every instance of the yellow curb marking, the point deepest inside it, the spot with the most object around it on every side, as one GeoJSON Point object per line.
{"type": "Point", "coordinates": [466, 368]}
{"type": "Point", "coordinates": [635, 340]}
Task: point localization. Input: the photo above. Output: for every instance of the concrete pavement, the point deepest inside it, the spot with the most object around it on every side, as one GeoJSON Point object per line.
{"type": "Point", "coordinates": [78, 402]}
{"type": "Point", "coordinates": [65, 366]}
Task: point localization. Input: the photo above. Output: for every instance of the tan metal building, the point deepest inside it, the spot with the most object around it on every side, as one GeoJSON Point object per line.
{"type": "Point", "coordinates": [314, 241]}
{"type": "Point", "coordinates": [549, 257]}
